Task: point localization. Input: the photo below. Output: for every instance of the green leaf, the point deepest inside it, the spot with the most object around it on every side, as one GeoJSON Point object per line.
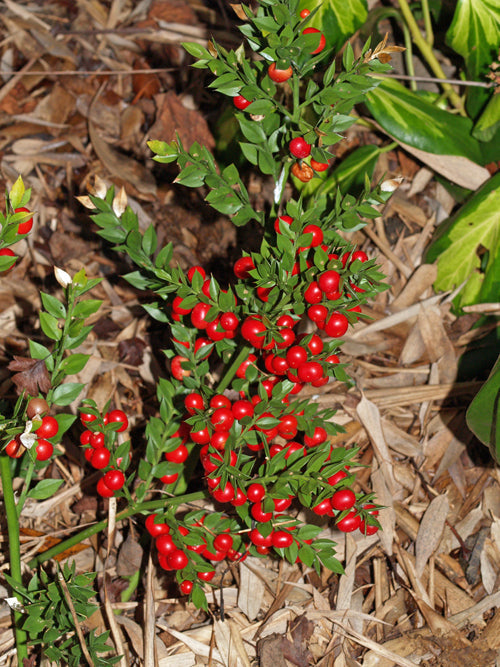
{"type": "Point", "coordinates": [74, 363]}
{"type": "Point", "coordinates": [49, 326]}
{"type": "Point", "coordinates": [483, 414]}
{"type": "Point", "coordinates": [46, 488]}
{"type": "Point", "coordinates": [414, 121]}
{"type": "Point", "coordinates": [16, 193]}
{"type": "Point", "coordinates": [53, 306]}
{"type": "Point", "coordinates": [462, 242]}
{"type": "Point", "coordinates": [488, 123]}
{"type": "Point", "coordinates": [474, 33]}
{"type": "Point", "coordinates": [86, 308]}
{"type": "Point", "coordinates": [337, 19]}
{"type": "Point", "coordinates": [66, 393]}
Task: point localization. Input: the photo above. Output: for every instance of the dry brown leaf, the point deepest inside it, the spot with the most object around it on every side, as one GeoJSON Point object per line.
{"type": "Point", "coordinates": [32, 377]}
{"type": "Point", "coordinates": [251, 591]}
{"type": "Point", "coordinates": [430, 531]}
{"type": "Point", "coordinates": [173, 117]}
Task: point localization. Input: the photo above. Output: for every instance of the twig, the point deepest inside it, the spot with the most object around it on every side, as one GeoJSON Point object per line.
{"type": "Point", "coordinates": [432, 79]}
{"type": "Point", "coordinates": [78, 629]}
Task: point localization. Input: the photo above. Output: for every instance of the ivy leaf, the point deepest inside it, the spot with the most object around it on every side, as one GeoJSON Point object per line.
{"type": "Point", "coordinates": [483, 414]}
{"type": "Point", "coordinates": [468, 246]}
{"type": "Point", "coordinates": [474, 33]}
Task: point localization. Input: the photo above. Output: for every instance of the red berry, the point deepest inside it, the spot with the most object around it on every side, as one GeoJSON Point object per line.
{"type": "Point", "coordinates": [196, 269]}
{"type": "Point", "coordinates": [242, 267]}
{"type": "Point", "coordinates": [156, 529]}
{"type": "Point", "coordinates": [279, 75]}
{"type": "Point", "coordinates": [218, 439]}
{"type": "Point", "coordinates": [24, 227]}
{"type": "Point", "coordinates": [169, 479]}
{"type": "Point", "coordinates": [100, 458]}
{"type": "Point", "coordinates": [103, 490]}
{"type": "Point", "coordinates": [304, 13]}
{"type": "Point", "coordinates": [114, 479]}
{"type": "Point", "coordinates": [329, 281]}
{"type": "Point", "coordinates": [201, 437]}
{"type": "Point", "coordinates": [199, 314]}
{"type": "Point", "coordinates": [319, 435]}
{"type": "Point", "coordinates": [322, 508]}
{"type": "Point", "coordinates": [223, 542]}
{"type": "Point", "coordinates": [118, 417]}
{"type": "Point", "coordinates": [359, 254]}
{"type": "Point", "coordinates": [343, 499]}
{"type": "Point", "coordinates": [256, 492]}
{"type": "Point", "coordinates": [96, 439]}
{"type": "Point", "coordinates": [165, 544]}
{"type": "Point", "coordinates": [350, 522]}
{"type": "Point", "coordinates": [296, 356]}
{"type": "Point", "coordinates": [299, 148]}
{"type": "Point", "coordinates": [13, 448]}
{"type": "Point", "coordinates": [286, 321]}
{"type": "Point", "coordinates": [224, 495]}
{"type": "Point", "coordinates": [288, 427]}
{"type": "Point", "coordinates": [259, 514]}
{"type": "Point", "coordinates": [177, 306]}
{"type": "Point", "coordinates": [258, 539]}
{"type": "Point", "coordinates": [177, 560]}
{"type": "Point", "coordinates": [48, 428]}
{"type": "Point", "coordinates": [249, 361]}
{"type": "Point", "coordinates": [186, 587]}
{"type": "Point", "coordinates": [317, 236]}
{"type": "Point", "coordinates": [310, 371]}
{"type": "Point", "coordinates": [194, 402]}
{"type": "Point", "coordinates": [178, 455]}
{"type": "Point", "coordinates": [337, 477]}
{"type": "Point", "coordinates": [319, 166]}
{"type": "Point", "coordinates": [313, 293]}
{"type": "Point", "coordinates": [199, 343]}
{"type": "Point", "coordinates": [252, 330]}
{"type": "Point", "coordinates": [206, 576]}
{"type": "Point", "coordinates": [242, 409]}
{"type": "Point", "coordinates": [239, 499]}
{"type": "Point", "coordinates": [241, 102]}
{"type": "Point", "coordinates": [229, 321]}
{"type": "Point", "coordinates": [281, 539]}
{"type": "Point", "coordinates": [317, 313]}
{"type": "Point", "coordinates": [176, 367]}
{"type": "Point", "coordinates": [336, 325]}
{"type": "Point", "coordinates": [222, 419]}
{"type": "Point", "coordinates": [322, 40]}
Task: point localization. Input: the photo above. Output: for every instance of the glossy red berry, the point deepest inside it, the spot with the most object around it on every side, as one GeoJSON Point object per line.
{"type": "Point", "coordinates": [256, 492]}
{"type": "Point", "coordinates": [241, 102]}
{"type": "Point", "coordinates": [319, 435]}
{"type": "Point", "coordinates": [177, 560]}
{"type": "Point", "coordinates": [313, 293]}
{"type": "Point", "coordinates": [279, 75]}
{"type": "Point", "coordinates": [304, 13]}
{"type": "Point", "coordinates": [343, 499]}
{"type": "Point", "coordinates": [259, 514]}
{"type": "Point", "coordinates": [176, 368]}
{"type": "Point", "coordinates": [223, 542]}
{"type": "Point", "coordinates": [194, 402]}
{"type": "Point", "coordinates": [118, 417]}
{"type": "Point", "coordinates": [103, 489]}
{"type": "Point", "coordinates": [242, 267]}
{"type": "Point", "coordinates": [114, 479]}
{"type": "Point", "coordinates": [350, 522]}
{"type": "Point", "coordinates": [199, 314]}
{"type": "Point", "coordinates": [26, 226]}
{"type": "Point", "coordinates": [206, 576]}
{"type": "Point", "coordinates": [242, 408]}
{"type": "Point", "coordinates": [317, 236]}
{"type": "Point", "coordinates": [310, 371]}
{"type": "Point", "coordinates": [299, 148]}
{"type": "Point", "coordinates": [186, 587]}
{"type": "Point", "coordinates": [222, 419]}
{"type": "Point", "coordinates": [48, 428]}
{"type": "Point", "coordinates": [281, 539]}
{"type": "Point", "coordinates": [296, 356]}
{"type": "Point", "coordinates": [322, 40]}
{"type": "Point", "coordinates": [14, 449]}
{"type": "Point", "coordinates": [156, 529]}
{"type": "Point", "coordinates": [196, 269]}
{"type": "Point", "coordinates": [322, 508]}
{"type": "Point", "coordinates": [253, 330]}
{"type": "Point", "coordinates": [336, 325]}
{"type": "Point", "coordinates": [319, 166]}
{"type": "Point", "coordinates": [100, 458]}
{"type": "Point", "coordinates": [177, 455]}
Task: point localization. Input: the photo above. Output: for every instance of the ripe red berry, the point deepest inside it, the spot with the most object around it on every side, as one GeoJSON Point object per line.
{"type": "Point", "coordinates": [242, 267]}
{"type": "Point", "coordinates": [258, 539]}
{"type": "Point", "coordinates": [114, 479]}
{"type": "Point", "coordinates": [156, 529]}
{"type": "Point", "coordinates": [281, 539]}
{"type": "Point", "coordinates": [242, 409]}
{"type": "Point", "coordinates": [343, 499]}
{"type": "Point", "coordinates": [100, 458]}
{"type": "Point", "coordinates": [178, 308]}
{"type": "Point", "coordinates": [304, 13]}
{"type": "Point", "coordinates": [24, 227]}
{"type": "Point", "coordinates": [319, 166]}
{"type": "Point", "coordinates": [322, 508]}
{"type": "Point", "coordinates": [252, 330]}
{"type": "Point", "coordinates": [176, 367]}
{"type": "Point", "coordinates": [336, 325]}
{"type": "Point", "coordinates": [256, 492]}
{"type": "Point", "coordinates": [118, 417]}
{"type": "Point", "coordinates": [48, 428]}
{"type": "Point", "coordinates": [359, 254]}
{"type": "Point", "coordinates": [199, 314]}
{"type": "Point", "coordinates": [222, 419]}
{"type": "Point", "coordinates": [223, 542]}
{"type": "Point", "coordinates": [177, 560]}
{"type": "Point", "coordinates": [206, 576]}
{"type": "Point", "coordinates": [178, 455]}
{"type": "Point", "coordinates": [299, 148]}
{"type": "Point", "coordinates": [322, 40]}
{"type": "Point", "coordinates": [350, 522]}
{"type": "Point", "coordinates": [337, 477]}
{"type": "Point", "coordinates": [229, 321]}
{"type": "Point", "coordinates": [317, 313]}
{"type": "Point", "coordinates": [103, 489]}
{"type": "Point", "coordinates": [240, 373]}
{"type": "Point", "coordinates": [296, 356]}
{"type": "Point", "coordinates": [317, 236]}
{"type": "Point", "coordinates": [196, 269]}
{"type": "Point", "coordinates": [288, 427]}
{"type": "Point", "coordinates": [310, 371]}
{"type": "Point", "coordinates": [13, 448]}
{"type": "Point", "coordinates": [165, 544]}
{"type": "Point", "coordinates": [241, 102]}
{"type": "Point", "coordinates": [329, 281]}
{"type": "Point", "coordinates": [225, 494]}
{"type": "Point", "coordinates": [169, 479]}
{"type": "Point", "coordinates": [194, 402]}
{"type": "Point", "coordinates": [319, 435]}
{"type": "Point", "coordinates": [313, 293]}
{"type": "Point", "coordinates": [186, 587]}
{"type": "Point", "coordinates": [279, 75]}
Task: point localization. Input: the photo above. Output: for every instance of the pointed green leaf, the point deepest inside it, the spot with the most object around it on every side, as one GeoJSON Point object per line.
{"type": "Point", "coordinates": [483, 414]}
{"type": "Point", "coordinates": [337, 19]}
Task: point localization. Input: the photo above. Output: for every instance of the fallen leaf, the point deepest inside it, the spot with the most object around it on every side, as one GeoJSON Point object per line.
{"type": "Point", "coordinates": [33, 376]}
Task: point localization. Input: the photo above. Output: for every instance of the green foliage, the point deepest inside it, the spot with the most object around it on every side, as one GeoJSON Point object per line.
{"type": "Point", "coordinates": [467, 248]}
{"type": "Point", "coordinates": [48, 618]}
{"type": "Point", "coordinates": [483, 414]}
{"type": "Point", "coordinates": [338, 19]}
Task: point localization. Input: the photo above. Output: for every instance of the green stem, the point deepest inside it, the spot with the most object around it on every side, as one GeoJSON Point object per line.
{"type": "Point", "coordinates": [26, 487]}
{"type": "Point", "coordinates": [427, 52]}
{"type": "Point", "coordinates": [14, 551]}
{"type": "Point", "coordinates": [429, 32]}
{"type": "Point", "coordinates": [408, 55]}
{"type": "Point", "coordinates": [231, 371]}
{"type": "Point", "coordinates": [101, 525]}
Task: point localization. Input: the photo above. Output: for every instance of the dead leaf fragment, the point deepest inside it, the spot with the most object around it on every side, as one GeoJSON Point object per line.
{"type": "Point", "coordinates": [33, 376]}
{"type": "Point", "coordinates": [430, 531]}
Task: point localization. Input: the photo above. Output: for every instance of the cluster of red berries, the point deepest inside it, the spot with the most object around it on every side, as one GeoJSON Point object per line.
{"type": "Point", "coordinates": [98, 455]}
{"type": "Point", "coordinates": [45, 427]}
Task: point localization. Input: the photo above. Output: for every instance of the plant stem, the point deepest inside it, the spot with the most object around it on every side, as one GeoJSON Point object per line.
{"type": "Point", "coordinates": [408, 55]}
{"type": "Point", "coordinates": [231, 371]}
{"type": "Point", "coordinates": [101, 525]}
{"type": "Point", "coordinates": [26, 486]}
{"type": "Point", "coordinates": [14, 551]}
{"type": "Point", "coordinates": [428, 54]}
{"type": "Point", "coordinates": [429, 33]}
